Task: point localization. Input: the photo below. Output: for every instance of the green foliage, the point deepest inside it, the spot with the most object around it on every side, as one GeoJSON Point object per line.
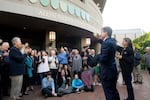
{"type": "Point", "coordinates": [142, 42]}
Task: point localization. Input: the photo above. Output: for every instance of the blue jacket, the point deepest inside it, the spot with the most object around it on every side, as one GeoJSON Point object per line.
{"type": "Point", "coordinates": [48, 84]}
{"type": "Point", "coordinates": [28, 65]}
{"type": "Point", "coordinates": [137, 58]}
{"type": "Point", "coordinates": [16, 61]}
{"type": "Point", "coordinates": [77, 83]}
{"type": "Point", "coordinates": [63, 58]}
{"type": "Point", "coordinates": [107, 59]}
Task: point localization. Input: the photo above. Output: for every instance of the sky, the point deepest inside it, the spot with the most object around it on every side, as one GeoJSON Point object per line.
{"type": "Point", "coordinates": [127, 14]}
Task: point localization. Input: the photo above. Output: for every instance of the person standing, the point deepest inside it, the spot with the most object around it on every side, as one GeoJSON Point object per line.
{"type": "Point", "coordinates": [108, 70]}
{"type": "Point", "coordinates": [137, 67]}
{"type": "Point", "coordinates": [126, 59]}
{"type": "Point", "coordinates": [53, 64]}
{"type": "Point", "coordinates": [43, 66]}
{"type": "Point", "coordinates": [17, 68]}
{"type": "Point", "coordinates": [5, 68]}
{"type": "Point", "coordinates": [147, 58]}
{"type": "Point", "coordinates": [92, 62]}
{"type": "Point", "coordinates": [63, 56]}
{"type": "Point", "coordinates": [76, 63]}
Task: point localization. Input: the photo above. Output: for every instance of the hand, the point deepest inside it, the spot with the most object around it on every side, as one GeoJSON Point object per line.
{"type": "Point", "coordinates": [26, 44]}
{"type": "Point", "coordinates": [98, 36]}
{"type": "Point", "coordinates": [65, 48]}
{"type": "Point", "coordinates": [120, 57]}
{"type": "Point", "coordinates": [5, 54]}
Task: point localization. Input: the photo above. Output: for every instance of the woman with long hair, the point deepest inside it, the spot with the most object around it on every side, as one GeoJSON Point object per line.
{"type": "Point", "coordinates": [126, 59]}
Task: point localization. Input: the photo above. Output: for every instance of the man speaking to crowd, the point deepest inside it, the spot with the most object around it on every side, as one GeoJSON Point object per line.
{"type": "Point", "coordinates": [108, 65]}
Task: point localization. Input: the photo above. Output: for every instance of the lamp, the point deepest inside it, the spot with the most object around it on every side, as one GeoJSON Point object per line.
{"type": "Point", "coordinates": [88, 41]}
{"type": "Point", "coordinates": [52, 36]}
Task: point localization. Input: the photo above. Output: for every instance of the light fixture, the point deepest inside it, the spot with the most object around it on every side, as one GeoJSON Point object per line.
{"type": "Point", "coordinates": [52, 36]}
{"type": "Point", "coordinates": [88, 41]}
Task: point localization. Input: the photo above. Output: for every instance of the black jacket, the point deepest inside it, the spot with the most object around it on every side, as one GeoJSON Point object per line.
{"type": "Point", "coordinates": [107, 59]}
{"type": "Point", "coordinates": [60, 80]}
{"type": "Point", "coordinates": [92, 61]}
{"type": "Point", "coordinates": [17, 60]}
{"type": "Point", "coordinates": [127, 61]}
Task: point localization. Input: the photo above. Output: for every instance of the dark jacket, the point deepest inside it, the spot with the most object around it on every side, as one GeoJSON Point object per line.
{"type": "Point", "coordinates": [137, 58]}
{"type": "Point", "coordinates": [60, 80]}
{"type": "Point", "coordinates": [17, 60]}
{"type": "Point", "coordinates": [107, 59]}
{"type": "Point", "coordinates": [127, 61]}
{"type": "Point", "coordinates": [92, 60]}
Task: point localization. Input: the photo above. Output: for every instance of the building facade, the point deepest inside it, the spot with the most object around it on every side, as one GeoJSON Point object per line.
{"type": "Point", "coordinates": [72, 21]}
{"type": "Point", "coordinates": [129, 33]}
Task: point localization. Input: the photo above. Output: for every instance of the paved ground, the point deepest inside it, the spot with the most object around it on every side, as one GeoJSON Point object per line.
{"type": "Point", "coordinates": [142, 92]}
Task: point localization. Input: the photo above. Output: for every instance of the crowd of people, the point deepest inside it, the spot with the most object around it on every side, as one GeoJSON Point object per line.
{"type": "Point", "coordinates": [57, 72]}
{"type": "Point", "coordinates": [60, 72]}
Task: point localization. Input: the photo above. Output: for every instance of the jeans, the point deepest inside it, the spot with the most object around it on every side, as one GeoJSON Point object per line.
{"type": "Point", "coordinates": [47, 91]}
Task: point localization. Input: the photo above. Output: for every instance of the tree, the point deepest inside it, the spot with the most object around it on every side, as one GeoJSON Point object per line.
{"type": "Point", "coordinates": [142, 42]}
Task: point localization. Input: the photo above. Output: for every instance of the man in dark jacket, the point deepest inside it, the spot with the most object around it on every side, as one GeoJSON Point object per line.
{"type": "Point", "coordinates": [108, 65]}
{"type": "Point", "coordinates": [17, 68]}
{"type": "Point", "coordinates": [5, 68]}
{"type": "Point", "coordinates": [137, 67]}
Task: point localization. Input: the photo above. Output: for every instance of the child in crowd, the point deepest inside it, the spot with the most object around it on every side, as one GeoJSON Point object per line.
{"type": "Point", "coordinates": [77, 84]}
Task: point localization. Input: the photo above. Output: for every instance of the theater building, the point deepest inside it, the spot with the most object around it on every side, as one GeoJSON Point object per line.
{"type": "Point", "coordinates": [51, 23]}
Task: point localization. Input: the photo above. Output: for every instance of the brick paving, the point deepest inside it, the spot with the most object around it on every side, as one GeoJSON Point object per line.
{"type": "Point", "coordinates": [141, 91]}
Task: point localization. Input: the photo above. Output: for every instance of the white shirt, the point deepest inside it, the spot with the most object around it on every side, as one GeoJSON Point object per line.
{"type": "Point", "coordinates": [43, 66]}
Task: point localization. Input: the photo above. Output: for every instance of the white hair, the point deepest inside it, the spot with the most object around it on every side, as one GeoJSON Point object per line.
{"type": "Point", "coordinates": [15, 39]}
{"type": "Point", "coordinates": [147, 48]}
{"type": "Point", "coordinates": [5, 44]}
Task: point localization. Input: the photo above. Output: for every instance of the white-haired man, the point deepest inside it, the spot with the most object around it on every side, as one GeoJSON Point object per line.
{"type": "Point", "coordinates": [17, 68]}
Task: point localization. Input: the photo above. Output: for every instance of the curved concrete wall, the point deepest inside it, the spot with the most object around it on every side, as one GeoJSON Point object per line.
{"type": "Point", "coordinates": [72, 12]}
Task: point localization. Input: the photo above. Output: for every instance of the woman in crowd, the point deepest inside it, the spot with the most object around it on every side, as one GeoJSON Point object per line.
{"type": "Point", "coordinates": [77, 84]}
{"type": "Point", "coordinates": [53, 64]}
{"type": "Point", "coordinates": [63, 83]}
{"type": "Point", "coordinates": [86, 77]}
{"type": "Point", "coordinates": [34, 66]}
{"type": "Point", "coordinates": [126, 59]}
{"type": "Point", "coordinates": [43, 66]}
{"type": "Point", "coordinates": [28, 72]}
{"type": "Point", "coordinates": [63, 56]}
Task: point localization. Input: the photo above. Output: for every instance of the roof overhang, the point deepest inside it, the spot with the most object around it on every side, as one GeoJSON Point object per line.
{"type": "Point", "coordinates": [100, 3]}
